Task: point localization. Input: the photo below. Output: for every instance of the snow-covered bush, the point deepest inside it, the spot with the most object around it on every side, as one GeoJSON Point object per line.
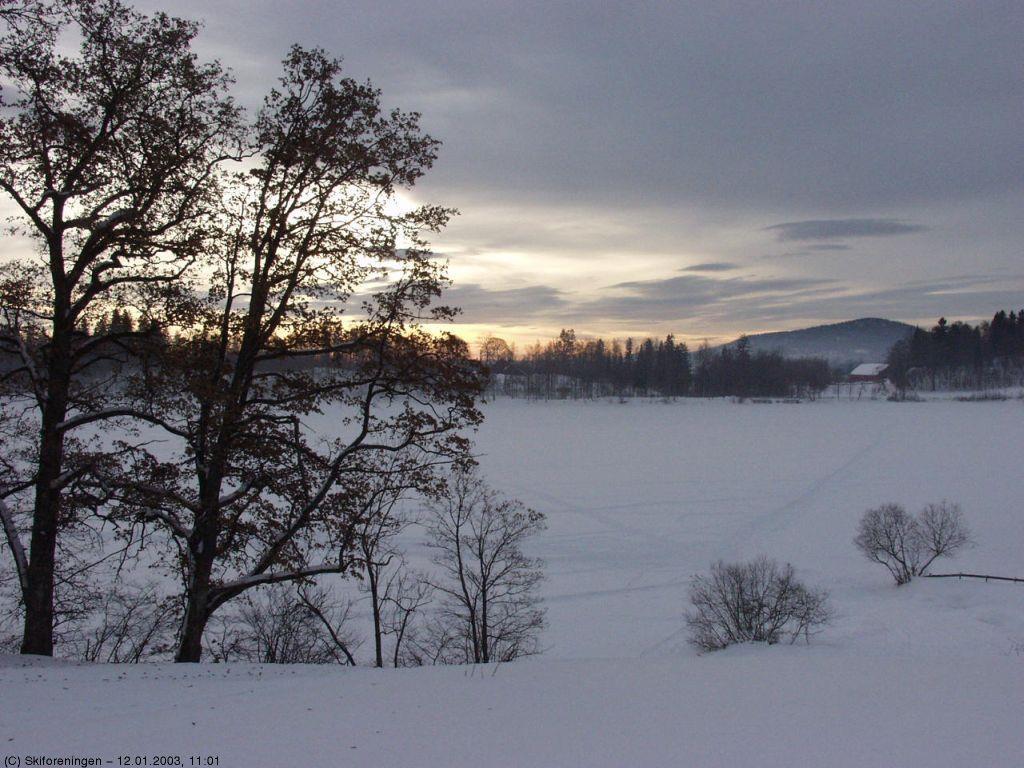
{"type": "Point", "coordinates": [756, 601]}
{"type": "Point", "coordinates": [907, 545]}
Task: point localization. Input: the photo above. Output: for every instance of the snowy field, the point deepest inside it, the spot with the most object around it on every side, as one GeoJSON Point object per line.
{"type": "Point", "coordinates": [640, 497]}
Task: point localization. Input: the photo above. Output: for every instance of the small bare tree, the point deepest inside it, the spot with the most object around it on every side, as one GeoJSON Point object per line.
{"type": "Point", "coordinates": [753, 602]}
{"type": "Point", "coordinates": [942, 531]}
{"type": "Point", "coordinates": [381, 518]}
{"type": "Point", "coordinates": [907, 546]}
{"type": "Point", "coordinates": [489, 585]}
{"type": "Point", "coordinates": [405, 594]}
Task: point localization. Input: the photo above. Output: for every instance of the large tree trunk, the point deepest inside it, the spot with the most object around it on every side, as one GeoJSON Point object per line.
{"type": "Point", "coordinates": [190, 647]}
{"type": "Point", "coordinates": [206, 532]}
{"type": "Point", "coordinates": [197, 611]}
{"type": "Point", "coordinates": [38, 630]}
{"type": "Point", "coordinates": [197, 607]}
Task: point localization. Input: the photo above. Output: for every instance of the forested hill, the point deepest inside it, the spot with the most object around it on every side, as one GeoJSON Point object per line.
{"type": "Point", "coordinates": [868, 339]}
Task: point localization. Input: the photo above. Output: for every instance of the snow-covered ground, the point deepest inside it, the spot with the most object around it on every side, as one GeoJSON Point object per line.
{"type": "Point", "coordinates": [639, 497]}
{"type": "Point", "coordinates": [757, 707]}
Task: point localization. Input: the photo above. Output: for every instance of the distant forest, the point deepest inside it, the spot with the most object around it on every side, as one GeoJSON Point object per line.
{"type": "Point", "coordinates": [953, 355]}
{"type": "Point", "coordinates": [569, 367]}
{"type": "Point", "coordinates": [961, 356]}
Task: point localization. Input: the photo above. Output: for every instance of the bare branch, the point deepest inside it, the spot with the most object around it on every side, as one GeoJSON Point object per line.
{"type": "Point", "coordinates": [15, 545]}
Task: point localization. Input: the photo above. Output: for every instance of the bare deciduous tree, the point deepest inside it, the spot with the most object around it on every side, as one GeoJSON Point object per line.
{"type": "Point", "coordinates": [756, 601]}
{"type": "Point", "coordinates": [942, 531]}
{"type": "Point", "coordinates": [394, 593]}
{"type": "Point", "coordinates": [406, 594]}
{"type": "Point", "coordinates": [491, 610]}
{"type": "Point", "coordinates": [317, 296]}
{"type": "Point", "coordinates": [888, 535]}
{"type": "Point", "coordinates": [907, 546]}
{"type": "Point", "coordinates": [107, 156]}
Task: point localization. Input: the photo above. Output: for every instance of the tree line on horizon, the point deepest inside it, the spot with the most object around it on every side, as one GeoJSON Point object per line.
{"type": "Point", "coordinates": [954, 355]}
{"type": "Point", "coordinates": [571, 367]}
{"type": "Point", "coordinates": [959, 355]}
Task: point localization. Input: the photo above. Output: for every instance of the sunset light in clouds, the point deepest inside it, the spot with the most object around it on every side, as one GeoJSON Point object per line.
{"type": "Point", "coordinates": [831, 161]}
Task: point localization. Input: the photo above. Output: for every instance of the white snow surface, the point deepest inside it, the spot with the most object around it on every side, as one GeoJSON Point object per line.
{"type": "Point", "coordinates": [639, 498]}
{"type": "Point", "coordinates": [758, 707]}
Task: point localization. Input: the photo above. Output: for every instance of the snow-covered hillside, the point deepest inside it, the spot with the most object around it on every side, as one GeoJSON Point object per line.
{"type": "Point", "coordinates": [640, 497]}
{"type": "Point", "coordinates": [868, 339]}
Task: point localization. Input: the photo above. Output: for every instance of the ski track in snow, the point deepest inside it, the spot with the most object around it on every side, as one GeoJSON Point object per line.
{"type": "Point", "coordinates": [633, 517]}
{"type": "Point", "coordinates": [790, 513]}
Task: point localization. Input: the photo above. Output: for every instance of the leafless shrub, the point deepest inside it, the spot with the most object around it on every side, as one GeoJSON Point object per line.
{"type": "Point", "coordinates": [756, 601]}
{"type": "Point", "coordinates": [96, 615]}
{"type": "Point", "coordinates": [129, 626]}
{"type": "Point", "coordinates": [285, 626]}
{"type": "Point", "coordinates": [220, 641]}
{"type": "Point", "coordinates": [432, 642]}
{"type": "Point", "coordinates": [10, 611]}
{"type": "Point", "coordinates": [942, 531]}
{"type": "Point", "coordinates": [902, 396]}
{"type": "Point", "coordinates": [981, 397]}
{"type": "Point", "coordinates": [888, 535]}
{"type": "Point", "coordinates": [333, 616]}
{"type": "Point", "coordinates": [907, 546]}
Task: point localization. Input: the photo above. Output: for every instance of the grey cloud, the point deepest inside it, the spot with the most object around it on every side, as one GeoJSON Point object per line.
{"type": "Point", "coordinates": [836, 229]}
{"type": "Point", "coordinates": [692, 285]}
{"type": "Point", "coordinates": [691, 297]}
{"type": "Point", "coordinates": [967, 296]}
{"type": "Point", "coordinates": [751, 305]}
{"type": "Point", "coordinates": [730, 103]}
{"type": "Point", "coordinates": [560, 118]}
{"type": "Point", "coordinates": [711, 266]}
{"type": "Point", "coordinates": [512, 306]}
{"type": "Point", "coordinates": [654, 301]}
{"type": "Point", "coordinates": [810, 249]}
{"type": "Point", "coordinates": [689, 303]}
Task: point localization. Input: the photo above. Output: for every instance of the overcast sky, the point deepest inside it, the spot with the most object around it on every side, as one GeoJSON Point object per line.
{"type": "Point", "coordinates": [706, 168]}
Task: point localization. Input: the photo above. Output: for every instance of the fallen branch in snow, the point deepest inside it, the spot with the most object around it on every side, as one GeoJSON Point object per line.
{"type": "Point", "coordinates": [971, 576]}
